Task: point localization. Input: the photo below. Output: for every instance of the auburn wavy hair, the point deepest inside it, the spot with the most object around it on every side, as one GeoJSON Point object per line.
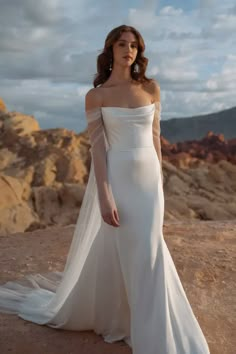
{"type": "Point", "coordinates": [106, 57]}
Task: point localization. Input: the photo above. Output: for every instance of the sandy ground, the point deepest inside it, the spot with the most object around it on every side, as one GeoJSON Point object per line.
{"type": "Point", "coordinates": [204, 255]}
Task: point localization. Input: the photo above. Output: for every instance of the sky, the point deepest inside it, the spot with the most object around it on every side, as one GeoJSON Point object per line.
{"type": "Point", "coordinates": [48, 52]}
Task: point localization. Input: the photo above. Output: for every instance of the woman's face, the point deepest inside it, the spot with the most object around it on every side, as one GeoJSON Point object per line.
{"type": "Point", "coordinates": [125, 49]}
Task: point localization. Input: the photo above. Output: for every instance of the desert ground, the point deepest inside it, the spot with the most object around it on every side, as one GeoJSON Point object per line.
{"type": "Point", "coordinates": [203, 252]}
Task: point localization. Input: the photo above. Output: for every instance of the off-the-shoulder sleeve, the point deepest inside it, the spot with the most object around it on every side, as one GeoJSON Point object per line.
{"type": "Point", "coordinates": [156, 130]}
{"type": "Point", "coordinates": [95, 127]}
{"type": "Point", "coordinates": [156, 121]}
{"type": "Point", "coordinates": [98, 151]}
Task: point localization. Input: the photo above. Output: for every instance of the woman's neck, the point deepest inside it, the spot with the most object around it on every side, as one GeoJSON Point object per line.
{"type": "Point", "coordinates": [120, 75]}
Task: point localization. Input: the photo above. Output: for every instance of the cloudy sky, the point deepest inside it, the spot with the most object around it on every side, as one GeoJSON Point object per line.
{"type": "Point", "coordinates": [48, 51]}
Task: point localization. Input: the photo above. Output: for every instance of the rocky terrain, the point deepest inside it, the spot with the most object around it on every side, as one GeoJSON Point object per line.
{"type": "Point", "coordinates": [43, 175]}
{"type": "Point", "coordinates": [204, 253]}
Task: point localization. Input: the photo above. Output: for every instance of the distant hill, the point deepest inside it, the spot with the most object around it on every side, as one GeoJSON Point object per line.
{"type": "Point", "coordinates": [196, 127]}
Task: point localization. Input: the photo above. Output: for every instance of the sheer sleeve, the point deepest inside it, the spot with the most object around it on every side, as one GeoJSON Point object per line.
{"type": "Point", "coordinates": [98, 151]}
{"type": "Point", "coordinates": [156, 130]}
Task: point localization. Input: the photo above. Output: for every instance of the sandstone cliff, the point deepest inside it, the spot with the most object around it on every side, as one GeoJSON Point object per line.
{"type": "Point", "coordinates": [43, 175]}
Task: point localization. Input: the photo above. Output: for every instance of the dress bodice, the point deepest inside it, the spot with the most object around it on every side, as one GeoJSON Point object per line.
{"type": "Point", "coordinates": [127, 128]}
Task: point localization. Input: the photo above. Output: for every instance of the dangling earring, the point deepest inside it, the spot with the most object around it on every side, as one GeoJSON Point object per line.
{"type": "Point", "coordinates": [110, 67]}
{"type": "Point", "coordinates": [135, 67]}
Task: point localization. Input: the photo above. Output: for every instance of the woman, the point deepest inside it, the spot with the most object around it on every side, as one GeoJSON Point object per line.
{"type": "Point", "coordinates": [122, 86]}
{"type": "Point", "coordinates": [119, 279]}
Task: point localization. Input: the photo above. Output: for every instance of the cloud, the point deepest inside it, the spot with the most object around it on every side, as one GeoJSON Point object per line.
{"type": "Point", "coordinates": [207, 3]}
{"type": "Point", "coordinates": [49, 50]}
{"type": "Point", "coordinates": [170, 11]}
{"type": "Point", "coordinates": [224, 81]}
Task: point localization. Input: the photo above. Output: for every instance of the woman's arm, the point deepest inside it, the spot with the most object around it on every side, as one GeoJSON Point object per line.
{"type": "Point", "coordinates": [93, 103]}
{"type": "Point", "coordinates": [156, 127]}
{"type": "Point", "coordinates": [96, 136]}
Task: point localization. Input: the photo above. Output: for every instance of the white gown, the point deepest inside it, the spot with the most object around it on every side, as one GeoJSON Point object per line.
{"type": "Point", "coordinates": [124, 285]}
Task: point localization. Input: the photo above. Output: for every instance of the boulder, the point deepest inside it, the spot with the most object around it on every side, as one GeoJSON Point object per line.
{"type": "Point", "coordinates": [15, 213]}
{"type": "Point", "coordinates": [3, 108]}
{"type": "Point", "coordinates": [19, 123]}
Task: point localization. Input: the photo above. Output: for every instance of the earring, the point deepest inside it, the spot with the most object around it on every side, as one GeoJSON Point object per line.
{"type": "Point", "coordinates": [110, 67]}
{"type": "Point", "coordinates": [135, 67]}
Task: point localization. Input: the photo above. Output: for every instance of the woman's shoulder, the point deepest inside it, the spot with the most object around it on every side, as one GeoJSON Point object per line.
{"type": "Point", "coordinates": [153, 85]}
{"type": "Point", "coordinates": [93, 98]}
{"type": "Point", "coordinates": [153, 88]}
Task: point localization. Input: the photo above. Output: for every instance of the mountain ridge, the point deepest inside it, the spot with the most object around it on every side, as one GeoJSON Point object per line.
{"type": "Point", "coordinates": [196, 127]}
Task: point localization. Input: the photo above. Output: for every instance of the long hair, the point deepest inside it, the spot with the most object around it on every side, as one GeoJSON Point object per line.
{"type": "Point", "coordinates": [106, 57]}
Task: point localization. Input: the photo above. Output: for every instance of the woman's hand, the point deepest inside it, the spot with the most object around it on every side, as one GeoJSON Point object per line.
{"type": "Point", "coordinates": [109, 212]}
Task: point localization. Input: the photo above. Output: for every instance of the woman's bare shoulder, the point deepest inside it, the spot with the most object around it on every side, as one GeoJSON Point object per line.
{"type": "Point", "coordinates": [153, 85]}
{"type": "Point", "coordinates": [154, 89]}
{"type": "Point", "coordinates": [93, 98]}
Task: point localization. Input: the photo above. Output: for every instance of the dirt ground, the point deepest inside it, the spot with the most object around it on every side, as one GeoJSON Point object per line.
{"type": "Point", "coordinates": [204, 253]}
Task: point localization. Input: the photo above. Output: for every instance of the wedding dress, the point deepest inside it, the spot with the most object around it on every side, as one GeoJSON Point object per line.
{"type": "Point", "coordinates": [121, 281]}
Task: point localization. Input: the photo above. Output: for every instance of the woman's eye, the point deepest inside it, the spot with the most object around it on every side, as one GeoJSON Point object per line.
{"type": "Point", "coordinates": [132, 45]}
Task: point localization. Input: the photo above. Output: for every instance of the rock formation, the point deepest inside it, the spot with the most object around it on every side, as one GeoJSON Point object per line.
{"type": "Point", "coordinates": [3, 108]}
{"type": "Point", "coordinates": [43, 175]}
